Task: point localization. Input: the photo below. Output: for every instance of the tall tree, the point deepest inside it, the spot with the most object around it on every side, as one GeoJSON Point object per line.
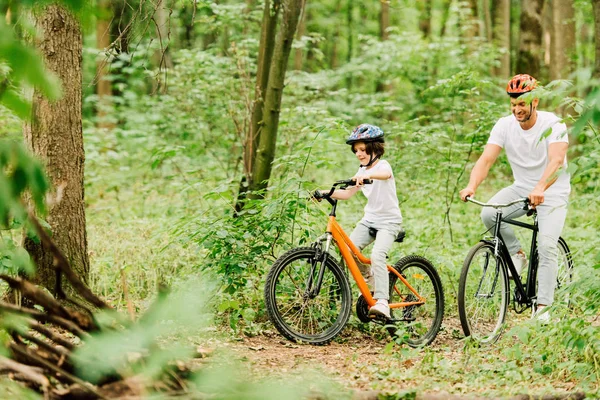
{"type": "Point", "coordinates": [103, 85]}
{"type": "Point", "coordinates": [261, 172]}
{"type": "Point", "coordinates": [55, 136]}
{"type": "Point", "coordinates": [596, 5]}
{"type": "Point", "coordinates": [301, 31]}
{"type": "Point", "coordinates": [563, 39]}
{"type": "Point", "coordinates": [265, 56]}
{"type": "Point", "coordinates": [530, 44]}
{"type": "Point", "coordinates": [501, 35]}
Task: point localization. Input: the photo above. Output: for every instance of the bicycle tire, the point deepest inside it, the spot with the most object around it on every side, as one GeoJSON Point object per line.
{"type": "Point", "coordinates": [419, 325]}
{"type": "Point", "coordinates": [295, 315]}
{"type": "Point", "coordinates": [564, 275]}
{"type": "Point", "coordinates": [483, 298]}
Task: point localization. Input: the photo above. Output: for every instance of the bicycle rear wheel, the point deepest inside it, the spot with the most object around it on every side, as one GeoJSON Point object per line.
{"type": "Point", "coordinates": [298, 315]}
{"type": "Point", "coordinates": [564, 276]}
{"type": "Point", "coordinates": [483, 294]}
{"type": "Point", "coordinates": [419, 324]}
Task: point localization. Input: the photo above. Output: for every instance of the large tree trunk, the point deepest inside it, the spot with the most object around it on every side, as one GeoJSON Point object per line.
{"type": "Point", "coordinates": [502, 35]}
{"type": "Point", "coordinates": [487, 20]}
{"type": "Point", "coordinates": [596, 5]}
{"type": "Point", "coordinates": [103, 86]}
{"type": "Point", "coordinates": [55, 136]}
{"type": "Point", "coordinates": [265, 56]}
{"type": "Point", "coordinates": [530, 44]}
{"type": "Point", "coordinates": [563, 39]}
{"type": "Point", "coordinates": [268, 135]}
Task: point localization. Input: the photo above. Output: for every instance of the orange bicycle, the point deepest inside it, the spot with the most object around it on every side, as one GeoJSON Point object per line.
{"type": "Point", "coordinates": [308, 296]}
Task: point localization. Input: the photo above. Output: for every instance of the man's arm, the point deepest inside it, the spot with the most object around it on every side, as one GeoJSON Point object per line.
{"type": "Point", "coordinates": [556, 157]}
{"type": "Point", "coordinates": [481, 169]}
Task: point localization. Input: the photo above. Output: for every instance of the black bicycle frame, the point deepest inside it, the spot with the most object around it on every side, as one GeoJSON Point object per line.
{"type": "Point", "coordinates": [527, 292]}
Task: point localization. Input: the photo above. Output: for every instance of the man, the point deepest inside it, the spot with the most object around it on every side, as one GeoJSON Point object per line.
{"type": "Point", "coordinates": [536, 144]}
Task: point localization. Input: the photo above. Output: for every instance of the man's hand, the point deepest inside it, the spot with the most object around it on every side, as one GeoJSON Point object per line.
{"type": "Point", "coordinates": [536, 197]}
{"type": "Point", "coordinates": [466, 192]}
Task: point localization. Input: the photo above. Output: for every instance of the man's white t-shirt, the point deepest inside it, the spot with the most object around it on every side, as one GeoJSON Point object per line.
{"type": "Point", "coordinates": [382, 201]}
{"type": "Point", "coordinates": [527, 150]}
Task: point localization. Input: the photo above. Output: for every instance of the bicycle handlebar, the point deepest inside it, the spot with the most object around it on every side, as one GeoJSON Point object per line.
{"type": "Point", "coordinates": [524, 200]}
{"type": "Point", "coordinates": [343, 184]}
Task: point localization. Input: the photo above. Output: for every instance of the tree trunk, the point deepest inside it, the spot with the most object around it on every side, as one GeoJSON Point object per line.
{"type": "Point", "coordinates": [120, 31]}
{"type": "Point", "coordinates": [163, 32]}
{"type": "Point", "coordinates": [472, 28]}
{"type": "Point", "coordinates": [596, 5]}
{"type": "Point", "coordinates": [268, 135]}
{"type": "Point", "coordinates": [487, 20]}
{"type": "Point", "coordinates": [384, 24]}
{"type": "Point", "coordinates": [333, 59]}
{"type": "Point", "coordinates": [103, 86]}
{"type": "Point", "coordinates": [445, 16]}
{"type": "Point", "coordinates": [299, 34]}
{"type": "Point", "coordinates": [424, 8]}
{"type": "Point", "coordinates": [349, 19]}
{"type": "Point", "coordinates": [530, 44]}
{"type": "Point", "coordinates": [265, 56]}
{"type": "Point", "coordinates": [502, 36]}
{"type": "Point", "coordinates": [55, 136]}
{"type": "Point", "coordinates": [384, 20]}
{"type": "Point", "coordinates": [563, 39]}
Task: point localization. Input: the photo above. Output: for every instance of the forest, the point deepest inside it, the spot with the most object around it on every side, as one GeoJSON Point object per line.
{"type": "Point", "coordinates": [158, 158]}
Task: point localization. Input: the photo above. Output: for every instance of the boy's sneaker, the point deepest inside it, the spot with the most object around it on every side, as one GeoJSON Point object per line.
{"type": "Point", "coordinates": [519, 261]}
{"type": "Point", "coordinates": [542, 314]}
{"type": "Point", "coordinates": [381, 309]}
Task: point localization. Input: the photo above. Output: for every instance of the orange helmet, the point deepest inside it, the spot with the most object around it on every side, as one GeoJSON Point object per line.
{"type": "Point", "coordinates": [520, 84]}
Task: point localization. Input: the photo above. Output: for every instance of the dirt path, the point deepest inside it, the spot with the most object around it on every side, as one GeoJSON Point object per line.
{"type": "Point", "coordinates": [366, 364]}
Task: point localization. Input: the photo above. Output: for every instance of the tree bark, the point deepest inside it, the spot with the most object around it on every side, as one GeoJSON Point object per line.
{"type": "Point", "coordinates": [425, 17]}
{"type": "Point", "coordinates": [596, 6]}
{"type": "Point", "coordinates": [487, 20]}
{"type": "Point", "coordinates": [103, 86]}
{"type": "Point", "coordinates": [563, 39]}
{"type": "Point", "coordinates": [530, 44]}
{"type": "Point", "coordinates": [502, 36]}
{"type": "Point", "coordinates": [265, 56]}
{"type": "Point", "coordinates": [55, 135]}
{"type": "Point", "coordinates": [384, 19]}
{"type": "Point", "coordinates": [299, 34]}
{"type": "Point", "coordinates": [333, 59]}
{"type": "Point", "coordinates": [291, 10]}
{"type": "Point", "coordinates": [445, 16]}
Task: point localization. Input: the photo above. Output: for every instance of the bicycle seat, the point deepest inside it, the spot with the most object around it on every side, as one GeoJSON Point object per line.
{"type": "Point", "coordinates": [400, 236]}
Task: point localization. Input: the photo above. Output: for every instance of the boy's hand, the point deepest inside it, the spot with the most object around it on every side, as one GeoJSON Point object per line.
{"type": "Point", "coordinates": [360, 179]}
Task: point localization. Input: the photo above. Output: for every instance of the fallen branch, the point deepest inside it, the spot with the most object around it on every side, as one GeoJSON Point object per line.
{"type": "Point", "coordinates": [43, 317]}
{"type": "Point", "coordinates": [62, 264]}
{"type": "Point", "coordinates": [30, 374]}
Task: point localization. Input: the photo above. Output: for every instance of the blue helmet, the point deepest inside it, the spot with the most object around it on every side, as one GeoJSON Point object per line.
{"type": "Point", "coordinates": [365, 133]}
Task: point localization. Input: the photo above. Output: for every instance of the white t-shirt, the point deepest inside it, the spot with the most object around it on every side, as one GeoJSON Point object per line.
{"type": "Point", "coordinates": [527, 150]}
{"type": "Point", "coordinates": [382, 201]}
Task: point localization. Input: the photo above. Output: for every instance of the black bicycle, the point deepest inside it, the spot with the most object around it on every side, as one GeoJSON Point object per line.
{"type": "Point", "coordinates": [484, 290]}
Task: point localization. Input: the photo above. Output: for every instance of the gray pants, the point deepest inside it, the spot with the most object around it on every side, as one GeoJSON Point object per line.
{"type": "Point", "coordinates": [551, 219]}
{"type": "Point", "coordinates": [386, 234]}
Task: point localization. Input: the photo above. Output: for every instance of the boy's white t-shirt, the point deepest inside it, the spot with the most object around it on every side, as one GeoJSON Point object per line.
{"type": "Point", "coordinates": [527, 150]}
{"type": "Point", "coordinates": [382, 201]}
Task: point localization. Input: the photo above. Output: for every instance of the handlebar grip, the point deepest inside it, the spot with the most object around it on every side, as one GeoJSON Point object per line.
{"type": "Point", "coordinates": [317, 195]}
{"type": "Point", "coordinates": [367, 181]}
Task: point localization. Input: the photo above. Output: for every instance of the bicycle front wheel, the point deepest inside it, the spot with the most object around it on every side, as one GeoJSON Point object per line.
{"type": "Point", "coordinates": [297, 312]}
{"type": "Point", "coordinates": [421, 323]}
{"type": "Point", "coordinates": [483, 294]}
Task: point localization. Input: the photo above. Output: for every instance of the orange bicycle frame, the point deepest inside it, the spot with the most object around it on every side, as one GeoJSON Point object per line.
{"type": "Point", "coordinates": [347, 249]}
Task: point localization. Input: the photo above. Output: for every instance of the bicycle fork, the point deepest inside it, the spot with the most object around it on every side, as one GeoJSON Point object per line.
{"type": "Point", "coordinates": [320, 258]}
